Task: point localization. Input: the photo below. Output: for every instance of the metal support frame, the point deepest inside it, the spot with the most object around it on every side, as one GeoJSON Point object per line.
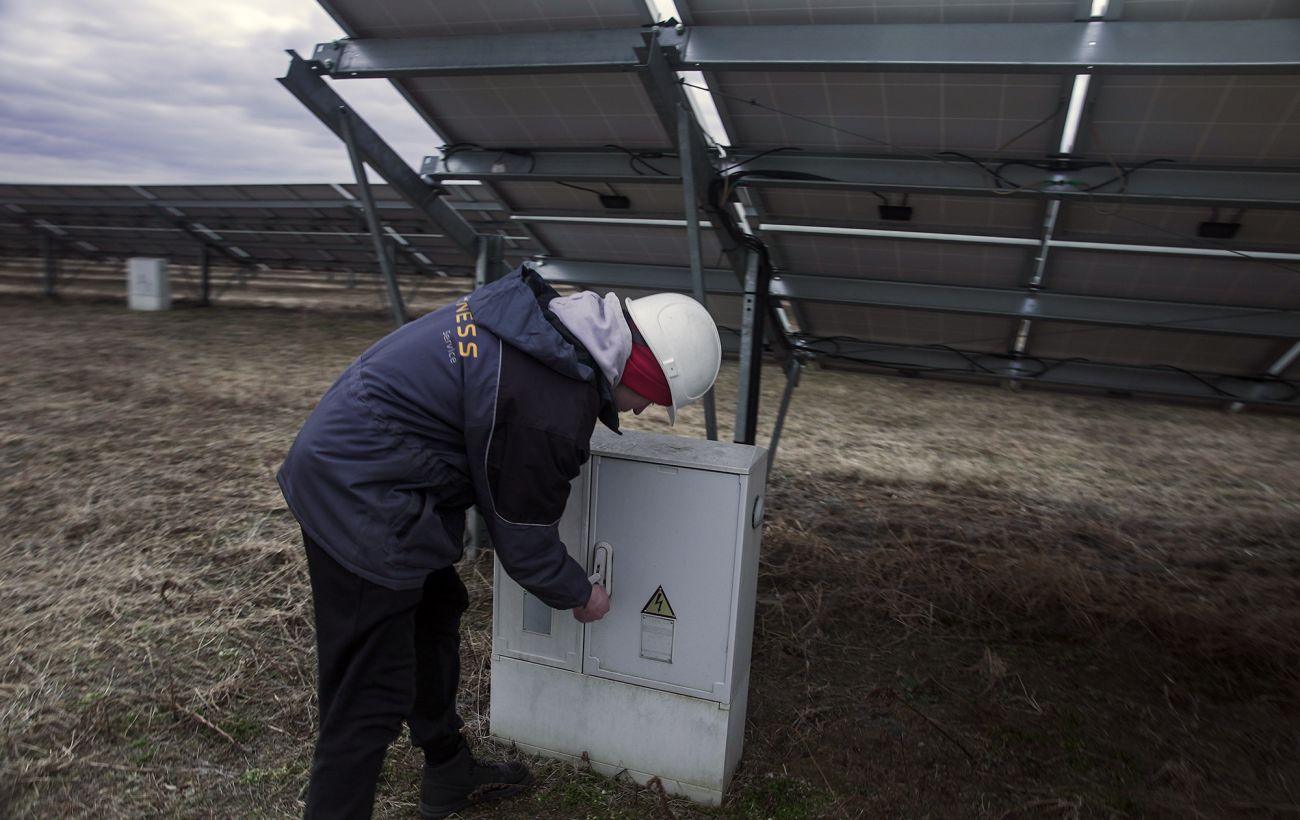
{"type": "Point", "coordinates": [1115, 378]}
{"type": "Point", "coordinates": [1020, 345]}
{"type": "Point", "coordinates": [685, 122]}
{"type": "Point", "coordinates": [749, 264]}
{"type": "Point", "coordinates": [1274, 371]}
{"type": "Point", "coordinates": [1169, 184]}
{"type": "Point", "coordinates": [1019, 241]}
{"type": "Point", "coordinates": [233, 204]}
{"type": "Point", "coordinates": [489, 262]}
{"type": "Point", "coordinates": [51, 265]}
{"type": "Point", "coordinates": [1014, 304]}
{"type": "Point", "coordinates": [757, 278]}
{"type": "Point", "coordinates": [792, 373]}
{"type": "Point", "coordinates": [303, 80]}
{"type": "Point", "coordinates": [1218, 46]}
{"type": "Point", "coordinates": [395, 304]}
{"type": "Point", "coordinates": [205, 274]}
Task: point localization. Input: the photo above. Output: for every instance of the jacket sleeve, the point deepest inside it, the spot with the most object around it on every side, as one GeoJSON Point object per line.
{"type": "Point", "coordinates": [524, 450]}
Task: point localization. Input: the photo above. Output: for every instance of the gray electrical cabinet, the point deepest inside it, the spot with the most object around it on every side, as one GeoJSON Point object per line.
{"type": "Point", "coordinates": [658, 687]}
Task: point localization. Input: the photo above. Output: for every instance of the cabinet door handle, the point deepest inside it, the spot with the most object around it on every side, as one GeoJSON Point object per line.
{"type": "Point", "coordinates": [602, 565]}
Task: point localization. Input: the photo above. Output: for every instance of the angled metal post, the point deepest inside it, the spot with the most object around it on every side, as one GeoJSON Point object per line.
{"type": "Point", "coordinates": [692, 208]}
{"type": "Point", "coordinates": [488, 263]}
{"type": "Point", "coordinates": [205, 282]}
{"type": "Point", "coordinates": [51, 266]}
{"type": "Point", "coordinates": [395, 303]}
{"type": "Point", "coordinates": [757, 278]}
{"type": "Point", "coordinates": [1274, 371]}
{"type": "Point", "coordinates": [304, 82]}
{"type": "Point", "coordinates": [792, 373]}
{"type": "Point", "coordinates": [744, 253]}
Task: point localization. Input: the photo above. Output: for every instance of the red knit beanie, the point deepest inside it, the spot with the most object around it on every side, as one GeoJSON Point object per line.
{"type": "Point", "coordinates": [643, 375]}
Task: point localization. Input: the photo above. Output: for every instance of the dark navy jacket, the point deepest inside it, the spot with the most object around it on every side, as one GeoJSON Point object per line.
{"type": "Point", "coordinates": [489, 401]}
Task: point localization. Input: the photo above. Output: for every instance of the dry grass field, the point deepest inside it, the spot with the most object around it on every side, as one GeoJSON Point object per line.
{"type": "Point", "coordinates": [973, 602]}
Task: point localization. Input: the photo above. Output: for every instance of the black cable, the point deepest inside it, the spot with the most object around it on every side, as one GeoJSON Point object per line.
{"type": "Point", "coordinates": [640, 157]}
{"type": "Point", "coordinates": [579, 188]}
{"type": "Point", "coordinates": [990, 171]}
{"type": "Point", "coordinates": [456, 147]}
{"type": "Point", "coordinates": [810, 343]}
{"type": "Point", "coordinates": [763, 154]}
{"type": "Point", "coordinates": [1124, 174]}
{"type": "Point", "coordinates": [1060, 104]}
{"type": "Point", "coordinates": [809, 120]}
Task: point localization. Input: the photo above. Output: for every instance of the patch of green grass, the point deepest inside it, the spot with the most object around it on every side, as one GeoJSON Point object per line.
{"type": "Point", "coordinates": [241, 728]}
{"type": "Point", "coordinates": [587, 796]}
{"type": "Point", "coordinates": [776, 797]}
{"type": "Point", "coordinates": [278, 774]}
{"type": "Point", "coordinates": [142, 750]}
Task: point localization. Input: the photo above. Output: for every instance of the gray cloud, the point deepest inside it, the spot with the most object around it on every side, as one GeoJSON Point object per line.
{"type": "Point", "coordinates": [161, 92]}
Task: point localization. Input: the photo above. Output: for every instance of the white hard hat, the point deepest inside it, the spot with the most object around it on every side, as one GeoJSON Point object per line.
{"type": "Point", "coordinates": [684, 340]}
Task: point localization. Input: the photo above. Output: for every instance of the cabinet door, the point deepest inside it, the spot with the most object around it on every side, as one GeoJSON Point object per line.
{"type": "Point", "coordinates": [673, 534]}
{"type": "Point", "coordinates": [523, 626]}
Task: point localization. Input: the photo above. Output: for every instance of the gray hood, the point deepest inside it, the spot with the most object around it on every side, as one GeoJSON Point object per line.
{"type": "Point", "coordinates": [601, 327]}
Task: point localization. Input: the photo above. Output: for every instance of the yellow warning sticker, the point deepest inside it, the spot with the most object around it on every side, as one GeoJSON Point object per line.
{"type": "Point", "coordinates": [658, 605]}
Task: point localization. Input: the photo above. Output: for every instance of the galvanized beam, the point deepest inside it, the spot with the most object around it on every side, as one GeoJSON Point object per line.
{"type": "Point", "coordinates": [1271, 376]}
{"type": "Point", "coordinates": [396, 306]}
{"type": "Point", "coordinates": [489, 264]}
{"type": "Point", "coordinates": [541, 52]}
{"type": "Point", "coordinates": [1020, 241]}
{"type": "Point", "coordinates": [303, 80]}
{"type": "Point", "coordinates": [1020, 345]}
{"type": "Point", "coordinates": [51, 265]}
{"type": "Point", "coordinates": [177, 218]}
{"type": "Point", "coordinates": [597, 165]}
{"type": "Point", "coordinates": [1165, 183]}
{"type": "Point", "coordinates": [1218, 46]}
{"type": "Point", "coordinates": [1231, 47]}
{"type": "Point", "coordinates": [1014, 304]}
{"type": "Point", "coordinates": [205, 274]}
{"type": "Point", "coordinates": [691, 206]}
{"type": "Point", "coordinates": [1149, 381]}
{"type": "Point", "coordinates": [747, 258]}
{"type": "Point", "coordinates": [239, 205]}
{"type": "Point", "coordinates": [753, 313]}
{"type": "Point", "coordinates": [793, 369]}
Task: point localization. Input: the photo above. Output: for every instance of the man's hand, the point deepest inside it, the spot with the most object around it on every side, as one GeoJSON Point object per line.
{"type": "Point", "coordinates": [597, 606]}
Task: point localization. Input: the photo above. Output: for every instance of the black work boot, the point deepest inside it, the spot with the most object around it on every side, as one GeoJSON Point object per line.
{"type": "Point", "coordinates": [462, 781]}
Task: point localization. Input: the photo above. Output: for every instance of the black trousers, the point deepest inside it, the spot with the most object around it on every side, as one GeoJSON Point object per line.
{"type": "Point", "coordinates": [385, 656]}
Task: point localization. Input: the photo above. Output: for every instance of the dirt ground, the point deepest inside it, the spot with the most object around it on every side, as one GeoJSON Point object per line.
{"type": "Point", "coordinates": [973, 602]}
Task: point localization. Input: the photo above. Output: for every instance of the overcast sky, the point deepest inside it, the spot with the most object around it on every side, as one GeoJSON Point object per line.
{"type": "Point", "coordinates": [175, 91]}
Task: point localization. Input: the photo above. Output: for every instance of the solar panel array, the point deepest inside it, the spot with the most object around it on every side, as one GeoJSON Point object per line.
{"type": "Point", "coordinates": [1211, 118]}
{"type": "Point", "coordinates": [313, 227]}
{"type": "Point", "coordinates": [961, 192]}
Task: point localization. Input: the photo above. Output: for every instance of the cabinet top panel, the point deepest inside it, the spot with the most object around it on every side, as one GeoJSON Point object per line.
{"type": "Point", "coordinates": [679, 451]}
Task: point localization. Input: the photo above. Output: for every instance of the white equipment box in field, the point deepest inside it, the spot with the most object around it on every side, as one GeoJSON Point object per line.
{"type": "Point", "coordinates": [147, 287]}
{"type": "Point", "coordinates": [658, 687]}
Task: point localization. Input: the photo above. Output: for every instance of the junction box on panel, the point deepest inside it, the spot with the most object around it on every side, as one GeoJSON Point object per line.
{"type": "Point", "coordinates": [658, 687]}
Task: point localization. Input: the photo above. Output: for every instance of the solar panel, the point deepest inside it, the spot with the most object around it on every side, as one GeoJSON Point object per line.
{"type": "Point", "coordinates": [785, 12]}
{"type": "Point", "coordinates": [561, 110]}
{"type": "Point", "coordinates": [1243, 121]}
